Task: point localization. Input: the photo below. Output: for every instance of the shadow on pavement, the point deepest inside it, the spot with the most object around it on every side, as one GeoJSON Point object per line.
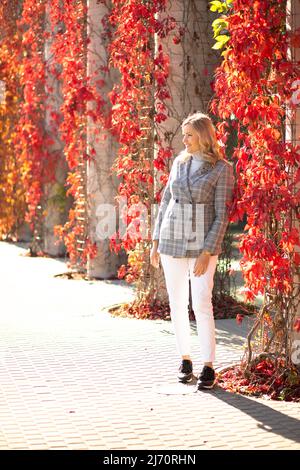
{"type": "Point", "coordinates": [268, 419]}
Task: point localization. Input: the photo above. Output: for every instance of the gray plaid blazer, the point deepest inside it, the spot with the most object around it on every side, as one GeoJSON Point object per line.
{"type": "Point", "coordinates": [193, 212]}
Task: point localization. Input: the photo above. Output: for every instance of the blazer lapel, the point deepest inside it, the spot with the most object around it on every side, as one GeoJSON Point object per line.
{"type": "Point", "coordinates": [184, 175]}
{"type": "Point", "coordinates": [184, 179]}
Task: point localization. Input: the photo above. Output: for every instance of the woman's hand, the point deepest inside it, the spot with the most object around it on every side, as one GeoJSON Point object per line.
{"type": "Point", "coordinates": [154, 255]}
{"type": "Point", "coordinates": [201, 264]}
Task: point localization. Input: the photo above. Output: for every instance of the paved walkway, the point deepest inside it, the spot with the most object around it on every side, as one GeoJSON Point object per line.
{"type": "Point", "coordinates": [73, 377]}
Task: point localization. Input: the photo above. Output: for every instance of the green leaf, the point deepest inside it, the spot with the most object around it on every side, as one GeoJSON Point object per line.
{"type": "Point", "coordinates": [222, 38]}
{"type": "Point", "coordinates": [219, 21]}
{"type": "Point", "coordinates": [221, 7]}
{"type": "Point", "coordinates": [216, 6]}
{"type": "Point", "coordinates": [218, 45]}
{"type": "Point", "coordinates": [218, 25]}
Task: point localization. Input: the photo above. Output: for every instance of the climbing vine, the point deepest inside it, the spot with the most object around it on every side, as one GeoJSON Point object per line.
{"type": "Point", "coordinates": [69, 46]}
{"type": "Point", "coordinates": [28, 157]}
{"type": "Point", "coordinates": [253, 89]}
{"type": "Point", "coordinates": [32, 141]}
{"type": "Point", "coordinates": [12, 169]}
{"type": "Point", "coordinates": [138, 108]}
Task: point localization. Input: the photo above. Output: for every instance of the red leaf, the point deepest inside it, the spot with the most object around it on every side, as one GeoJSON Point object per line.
{"type": "Point", "coordinates": [297, 325]}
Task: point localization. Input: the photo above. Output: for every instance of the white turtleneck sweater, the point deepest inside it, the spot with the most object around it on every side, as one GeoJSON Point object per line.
{"type": "Point", "coordinates": [197, 162]}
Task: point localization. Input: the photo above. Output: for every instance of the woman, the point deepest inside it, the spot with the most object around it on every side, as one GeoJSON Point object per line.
{"type": "Point", "coordinates": [187, 237]}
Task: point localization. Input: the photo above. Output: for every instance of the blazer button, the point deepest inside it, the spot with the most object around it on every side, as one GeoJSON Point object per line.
{"type": "Point", "coordinates": [176, 200]}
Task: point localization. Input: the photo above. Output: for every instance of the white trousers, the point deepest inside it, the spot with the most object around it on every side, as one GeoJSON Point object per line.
{"type": "Point", "coordinates": [177, 272]}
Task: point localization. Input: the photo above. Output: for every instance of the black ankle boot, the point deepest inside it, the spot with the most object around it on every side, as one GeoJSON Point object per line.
{"type": "Point", "coordinates": [185, 374]}
{"type": "Point", "coordinates": [206, 378]}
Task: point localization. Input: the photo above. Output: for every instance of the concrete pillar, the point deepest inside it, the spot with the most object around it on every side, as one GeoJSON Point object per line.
{"type": "Point", "coordinates": [101, 184]}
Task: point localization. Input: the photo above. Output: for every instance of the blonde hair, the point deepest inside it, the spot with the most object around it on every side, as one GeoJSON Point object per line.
{"type": "Point", "coordinates": [209, 146]}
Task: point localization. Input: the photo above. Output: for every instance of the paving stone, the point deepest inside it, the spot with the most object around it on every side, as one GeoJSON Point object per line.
{"type": "Point", "coordinates": [73, 377]}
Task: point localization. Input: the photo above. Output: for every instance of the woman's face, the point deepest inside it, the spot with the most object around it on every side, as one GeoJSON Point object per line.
{"type": "Point", "coordinates": [190, 139]}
